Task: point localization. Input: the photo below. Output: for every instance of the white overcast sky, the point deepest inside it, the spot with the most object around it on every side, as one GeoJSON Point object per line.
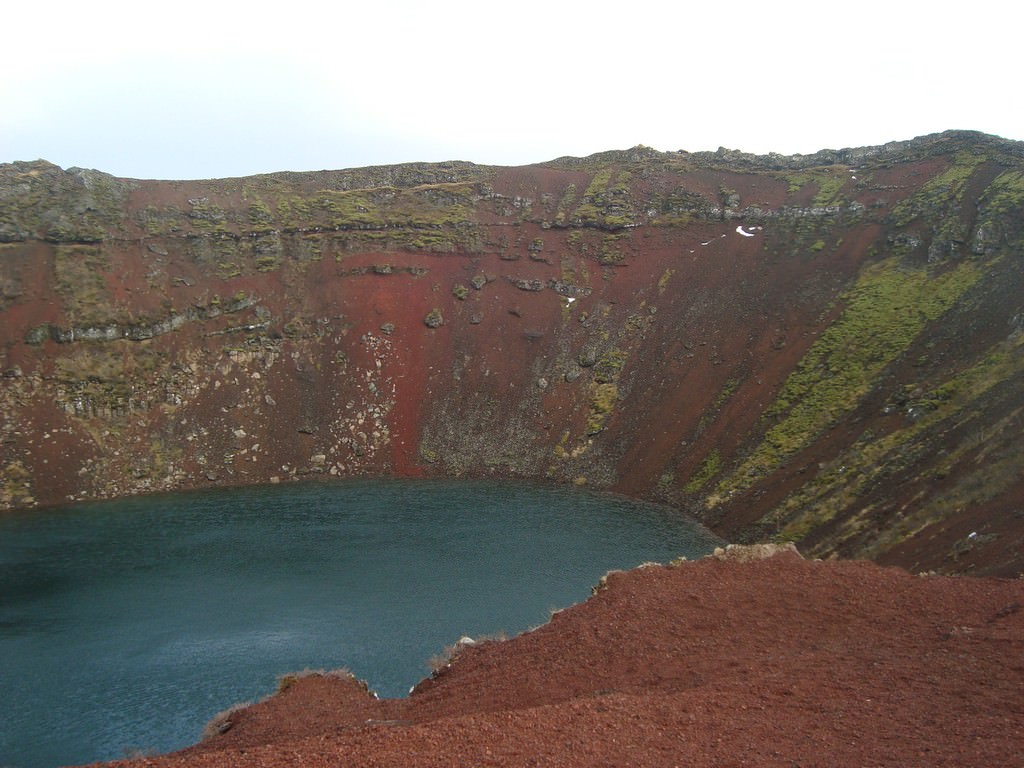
{"type": "Point", "coordinates": [186, 89]}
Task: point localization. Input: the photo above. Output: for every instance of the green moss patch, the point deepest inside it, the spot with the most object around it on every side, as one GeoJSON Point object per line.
{"type": "Point", "coordinates": [940, 192]}
{"type": "Point", "coordinates": [885, 311]}
{"type": "Point", "coordinates": [874, 460]}
{"type": "Point", "coordinates": [709, 468]}
{"type": "Point", "coordinates": [607, 202]}
{"type": "Point", "coordinates": [81, 272]}
{"type": "Point", "coordinates": [602, 402]}
{"type": "Point", "coordinates": [828, 184]}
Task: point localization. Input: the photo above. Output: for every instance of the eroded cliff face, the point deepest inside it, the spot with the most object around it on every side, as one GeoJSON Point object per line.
{"type": "Point", "coordinates": [824, 349]}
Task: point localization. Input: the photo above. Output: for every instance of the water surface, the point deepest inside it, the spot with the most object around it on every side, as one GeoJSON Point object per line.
{"type": "Point", "coordinates": [125, 626]}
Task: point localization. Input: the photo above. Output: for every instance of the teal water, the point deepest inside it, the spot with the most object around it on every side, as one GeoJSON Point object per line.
{"type": "Point", "coordinates": [126, 626]}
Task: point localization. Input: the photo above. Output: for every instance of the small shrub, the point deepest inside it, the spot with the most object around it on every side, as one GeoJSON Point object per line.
{"type": "Point", "coordinates": [287, 680]}
{"type": "Point", "coordinates": [223, 721]}
{"type": "Point", "coordinates": [439, 661]}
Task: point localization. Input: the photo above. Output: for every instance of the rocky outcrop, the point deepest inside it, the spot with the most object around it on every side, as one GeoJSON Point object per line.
{"type": "Point", "coordinates": [821, 349]}
{"type": "Point", "coordinates": [73, 206]}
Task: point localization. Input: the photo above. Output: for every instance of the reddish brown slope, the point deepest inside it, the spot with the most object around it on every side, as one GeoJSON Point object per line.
{"type": "Point", "coordinates": [825, 349]}
{"type": "Point", "coordinates": [774, 662]}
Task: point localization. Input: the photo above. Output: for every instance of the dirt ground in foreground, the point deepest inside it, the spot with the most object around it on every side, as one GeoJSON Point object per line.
{"type": "Point", "coordinates": [718, 662]}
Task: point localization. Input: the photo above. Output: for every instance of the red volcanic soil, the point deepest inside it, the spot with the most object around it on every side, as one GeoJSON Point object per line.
{"type": "Point", "coordinates": [724, 661]}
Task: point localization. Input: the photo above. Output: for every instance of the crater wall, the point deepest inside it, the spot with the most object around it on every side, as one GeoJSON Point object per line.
{"type": "Point", "coordinates": [823, 349]}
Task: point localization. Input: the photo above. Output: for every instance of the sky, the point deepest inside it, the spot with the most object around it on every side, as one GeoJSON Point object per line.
{"type": "Point", "coordinates": [211, 89]}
